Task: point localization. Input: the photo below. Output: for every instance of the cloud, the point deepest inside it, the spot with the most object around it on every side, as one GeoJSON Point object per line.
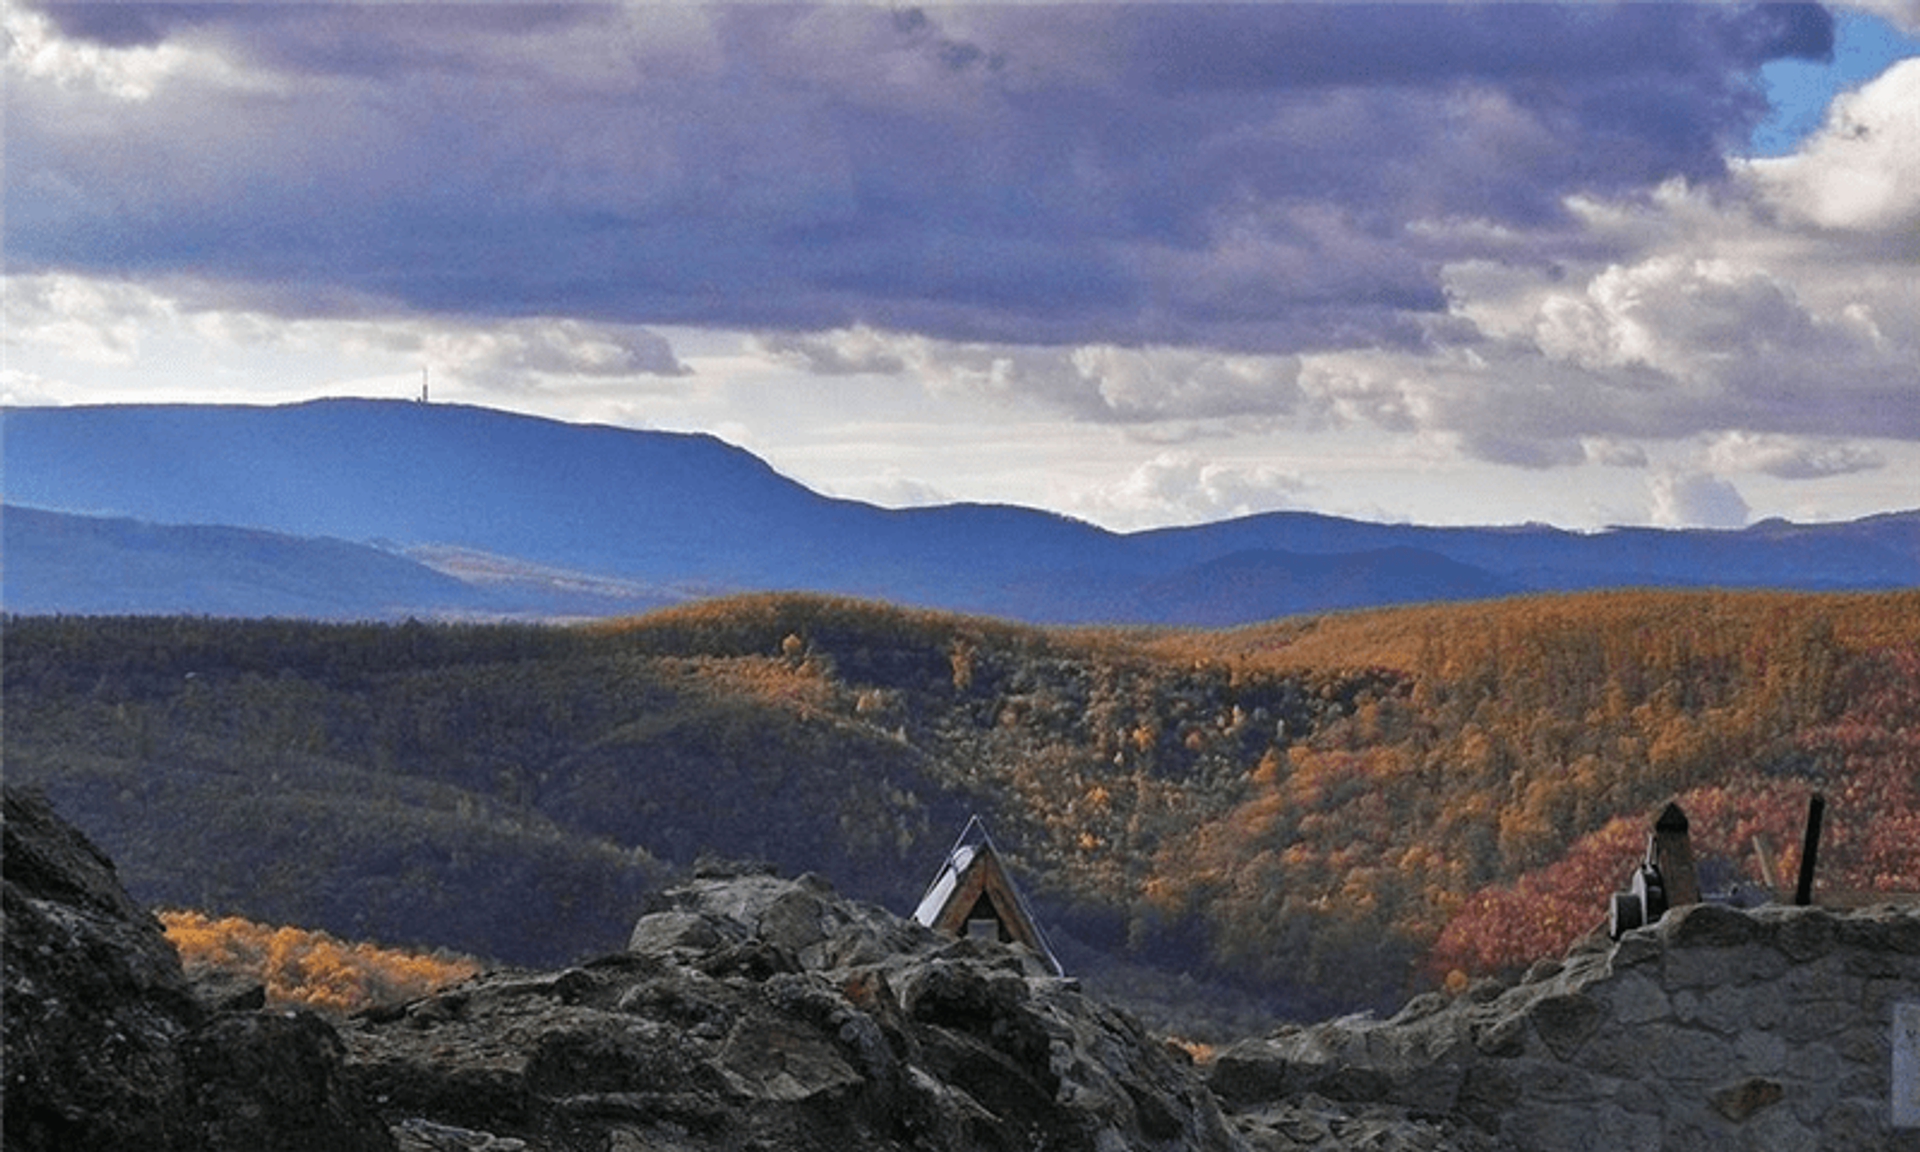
{"type": "Point", "coordinates": [1719, 317]}
{"type": "Point", "coordinates": [1335, 45]}
{"type": "Point", "coordinates": [1614, 453]}
{"type": "Point", "coordinates": [1241, 177]}
{"type": "Point", "coordinates": [1180, 488]}
{"type": "Point", "coordinates": [1535, 452]}
{"type": "Point", "coordinates": [1155, 384]}
{"type": "Point", "coordinates": [1096, 382]}
{"type": "Point", "coordinates": [1696, 500]}
{"type": "Point", "coordinates": [18, 387]}
{"type": "Point", "coordinates": [1791, 458]}
{"type": "Point", "coordinates": [1715, 331]}
{"type": "Point", "coordinates": [841, 352]}
{"type": "Point", "coordinates": [78, 320]}
{"type": "Point", "coordinates": [520, 354]}
{"type": "Point", "coordinates": [1510, 233]}
{"type": "Point", "coordinates": [1861, 172]}
{"type": "Point", "coordinates": [113, 51]}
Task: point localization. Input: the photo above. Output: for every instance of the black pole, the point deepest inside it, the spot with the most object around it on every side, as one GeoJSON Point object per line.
{"type": "Point", "coordinates": [1810, 852]}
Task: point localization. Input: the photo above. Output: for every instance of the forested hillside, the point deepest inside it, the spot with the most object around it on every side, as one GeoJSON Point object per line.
{"type": "Point", "coordinates": [1319, 813]}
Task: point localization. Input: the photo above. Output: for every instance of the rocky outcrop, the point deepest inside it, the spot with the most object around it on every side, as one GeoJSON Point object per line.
{"type": "Point", "coordinates": [1714, 1028]}
{"type": "Point", "coordinates": [107, 1047]}
{"type": "Point", "coordinates": [755, 1011]}
{"type": "Point", "coordinates": [95, 1000]}
{"type": "Point", "coordinates": [751, 1011]}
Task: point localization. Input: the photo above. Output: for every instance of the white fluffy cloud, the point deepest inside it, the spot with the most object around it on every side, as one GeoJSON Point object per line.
{"type": "Point", "coordinates": [1696, 499]}
{"type": "Point", "coordinates": [1723, 343]}
{"type": "Point", "coordinates": [1778, 315]}
{"type": "Point", "coordinates": [1182, 488]}
{"type": "Point", "coordinates": [81, 319]}
{"type": "Point", "coordinates": [1861, 172]}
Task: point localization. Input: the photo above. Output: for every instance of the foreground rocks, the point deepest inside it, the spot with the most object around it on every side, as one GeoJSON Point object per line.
{"type": "Point", "coordinates": [755, 1012]}
{"type": "Point", "coordinates": [750, 1012]}
{"type": "Point", "coordinates": [108, 1048]}
{"type": "Point", "coordinates": [760, 1012]}
{"type": "Point", "coordinates": [1714, 1028]}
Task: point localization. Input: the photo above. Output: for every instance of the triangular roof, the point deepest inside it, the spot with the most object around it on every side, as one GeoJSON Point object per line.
{"type": "Point", "coordinates": [971, 877]}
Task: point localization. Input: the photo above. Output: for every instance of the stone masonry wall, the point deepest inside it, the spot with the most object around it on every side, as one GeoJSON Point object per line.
{"type": "Point", "coordinates": [1769, 1029]}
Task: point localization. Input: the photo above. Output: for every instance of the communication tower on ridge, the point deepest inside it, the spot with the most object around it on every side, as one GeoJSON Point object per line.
{"type": "Point", "coordinates": [423, 384]}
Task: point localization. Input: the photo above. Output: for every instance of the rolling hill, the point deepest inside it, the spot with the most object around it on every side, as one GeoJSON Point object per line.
{"type": "Point", "coordinates": [102, 566]}
{"type": "Point", "coordinates": [537, 517]}
{"type": "Point", "coordinates": [92, 565]}
{"type": "Point", "coordinates": [1309, 815]}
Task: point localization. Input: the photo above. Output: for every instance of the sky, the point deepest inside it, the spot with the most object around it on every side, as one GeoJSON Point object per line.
{"type": "Point", "coordinates": [1141, 264]}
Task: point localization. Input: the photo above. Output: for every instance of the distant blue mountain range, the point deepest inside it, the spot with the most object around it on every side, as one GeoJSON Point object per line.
{"type": "Point", "coordinates": [381, 509]}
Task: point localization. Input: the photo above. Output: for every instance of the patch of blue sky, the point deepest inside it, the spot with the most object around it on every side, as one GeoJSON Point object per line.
{"type": "Point", "coordinates": [1799, 91]}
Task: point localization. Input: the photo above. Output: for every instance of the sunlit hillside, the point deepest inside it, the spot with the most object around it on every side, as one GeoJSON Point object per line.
{"type": "Point", "coordinates": [1504, 777]}
{"type": "Point", "coordinates": [1312, 814]}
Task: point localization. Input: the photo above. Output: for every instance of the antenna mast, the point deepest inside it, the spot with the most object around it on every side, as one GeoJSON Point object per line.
{"type": "Point", "coordinates": [423, 383]}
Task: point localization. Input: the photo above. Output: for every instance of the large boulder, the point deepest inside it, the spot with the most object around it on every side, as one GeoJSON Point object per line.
{"type": "Point", "coordinates": [758, 1011]}
{"type": "Point", "coordinates": [96, 1003]}
{"type": "Point", "coordinates": [107, 1047]}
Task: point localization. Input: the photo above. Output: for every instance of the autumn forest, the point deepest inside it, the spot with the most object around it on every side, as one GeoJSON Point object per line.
{"type": "Point", "coordinates": [1303, 816]}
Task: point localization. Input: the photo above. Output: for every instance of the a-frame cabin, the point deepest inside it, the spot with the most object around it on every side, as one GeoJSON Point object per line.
{"type": "Point", "coordinates": [975, 895]}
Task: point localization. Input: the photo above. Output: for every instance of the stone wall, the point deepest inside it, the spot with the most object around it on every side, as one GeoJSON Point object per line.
{"type": "Point", "coordinates": [1713, 1029]}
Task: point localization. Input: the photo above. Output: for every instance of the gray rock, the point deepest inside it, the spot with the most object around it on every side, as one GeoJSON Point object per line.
{"type": "Point", "coordinates": [417, 1135]}
{"type": "Point", "coordinates": [106, 1045]}
{"type": "Point", "coordinates": [95, 998]}
{"type": "Point", "coordinates": [675, 931]}
{"type": "Point", "coordinates": [274, 1081]}
{"type": "Point", "coordinates": [221, 991]}
{"type": "Point", "coordinates": [757, 1011]}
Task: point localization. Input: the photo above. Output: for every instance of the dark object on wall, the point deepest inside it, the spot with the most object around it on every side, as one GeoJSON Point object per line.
{"type": "Point", "coordinates": [1664, 879]}
{"type": "Point", "coordinates": [1672, 855]}
{"type": "Point", "coordinates": [1643, 903]}
{"type": "Point", "coordinates": [1810, 851]}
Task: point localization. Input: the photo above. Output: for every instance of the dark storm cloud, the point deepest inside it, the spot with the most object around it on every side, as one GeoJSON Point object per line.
{"type": "Point", "coordinates": [127, 25]}
{"type": "Point", "coordinates": [305, 36]}
{"type": "Point", "coordinates": [1243, 176]}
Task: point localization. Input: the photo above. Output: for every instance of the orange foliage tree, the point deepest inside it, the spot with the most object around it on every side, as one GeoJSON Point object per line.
{"type": "Point", "coordinates": [310, 969]}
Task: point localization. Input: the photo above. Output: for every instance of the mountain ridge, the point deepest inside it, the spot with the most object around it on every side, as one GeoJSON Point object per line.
{"type": "Point", "coordinates": [669, 511]}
